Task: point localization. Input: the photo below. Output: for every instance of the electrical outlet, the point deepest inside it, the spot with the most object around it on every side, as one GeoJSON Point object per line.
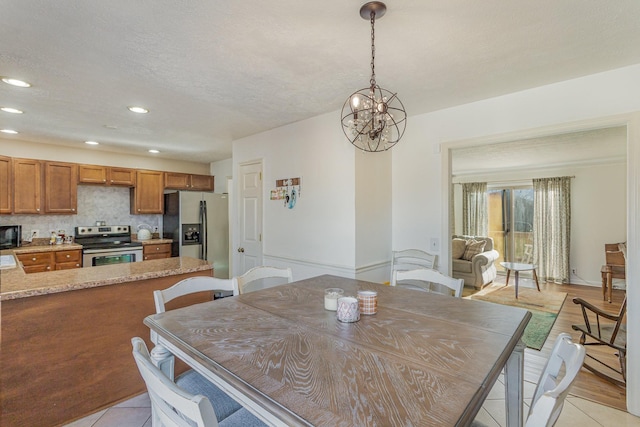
{"type": "Point", "coordinates": [574, 271]}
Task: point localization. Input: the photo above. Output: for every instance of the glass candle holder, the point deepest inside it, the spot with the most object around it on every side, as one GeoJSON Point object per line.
{"type": "Point", "coordinates": [331, 296]}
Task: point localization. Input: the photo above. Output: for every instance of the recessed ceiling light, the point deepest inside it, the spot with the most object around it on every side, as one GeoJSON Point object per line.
{"type": "Point", "coordinates": [11, 110]}
{"type": "Point", "coordinates": [154, 151]}
{"type": "Point", "coordinates": [91, 142]}
{"type": "Point", "coordinates": [9, 131]}
{"type": "Point", "coordinates": [139, 110]}
{"type": "Point", "coordinates": [15, 82]}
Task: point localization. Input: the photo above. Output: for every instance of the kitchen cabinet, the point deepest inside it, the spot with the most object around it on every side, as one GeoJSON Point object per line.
{"type": "Point", "coordinates": [185, 181]}
{"type": "Point", "coordinates": [66, 260]}
{"type": "Point", "coordinates": [27, 186]}
{"type": "Point", "coordinates": [37, 262]}
{"type": "Point", "coordinates": [6, 186]}
{"type": "Point", "coordinates": [105, 175]}
{"type": "Point", "coordinates": [162, 250]}
{"type": "Point", "coordinates": [60, 188]}
{"type": "Point", "coordinates": [148, 194]}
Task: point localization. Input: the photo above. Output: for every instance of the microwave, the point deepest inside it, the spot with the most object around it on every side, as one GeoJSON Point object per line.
{"type": "Point", "coordinates": [10, 236]}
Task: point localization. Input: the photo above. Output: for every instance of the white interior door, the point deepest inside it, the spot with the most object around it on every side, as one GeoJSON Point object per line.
{"type": "Point", "coordinates": [249, 250]}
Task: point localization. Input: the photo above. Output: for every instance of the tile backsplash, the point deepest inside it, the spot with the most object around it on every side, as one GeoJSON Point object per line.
{"type": "Point", "coordinates": [95, 203]}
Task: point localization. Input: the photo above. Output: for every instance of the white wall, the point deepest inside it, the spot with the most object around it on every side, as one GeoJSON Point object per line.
{"type": "Point", "coordinates": [222, 171]}
{"type": "Point", "coordinates": [318, 235]}
{"type": "Point", "coordinates": [420, 199]}
{"type": "Point", "coordinates": [373, 214]}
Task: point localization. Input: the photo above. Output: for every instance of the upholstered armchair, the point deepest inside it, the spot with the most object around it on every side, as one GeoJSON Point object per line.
{"type": "Point", "coordinates": [472, 259]}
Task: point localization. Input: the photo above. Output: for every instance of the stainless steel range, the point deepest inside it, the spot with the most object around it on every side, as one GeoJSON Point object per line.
{"type": "Point", "coordinates": [108, 244]}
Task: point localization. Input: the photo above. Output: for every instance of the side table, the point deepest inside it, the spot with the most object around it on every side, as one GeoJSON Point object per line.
{"type": "Point", "coordinates": [517, 267]}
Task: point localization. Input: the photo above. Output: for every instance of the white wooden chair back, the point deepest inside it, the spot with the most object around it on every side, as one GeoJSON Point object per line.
{"type": "Point", "coordinates": [411, 259]}
{"type": "Point", "coordinates": [192, 285]}
{"type": "Point", "coordinates": [551, 390]}
{"type": "Point", "coordinates": [424, 279]}
{"type": "Point", "coordinates": [257, 278]}
{"type": "Point", "coordinates": [172, 406]}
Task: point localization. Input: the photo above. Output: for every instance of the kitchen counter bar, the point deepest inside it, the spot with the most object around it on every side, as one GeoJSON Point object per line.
{"type": "Point", "coordinates": [15, 283]}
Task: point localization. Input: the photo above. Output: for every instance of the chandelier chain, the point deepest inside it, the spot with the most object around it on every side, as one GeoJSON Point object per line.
{"type": "Point", "coordinates": [373, 49]}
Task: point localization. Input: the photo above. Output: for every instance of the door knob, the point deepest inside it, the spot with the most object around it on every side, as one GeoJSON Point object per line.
{"type": "Point", "coordinates": [241, 250]}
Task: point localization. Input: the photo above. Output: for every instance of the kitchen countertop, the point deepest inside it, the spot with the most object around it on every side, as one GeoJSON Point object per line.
{"type": "Point", "coordinates": [153, 241]}
{"type": "Point", "coordinates": [15, 283]}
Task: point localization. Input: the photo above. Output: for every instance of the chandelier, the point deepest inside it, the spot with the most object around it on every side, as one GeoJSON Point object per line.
{"type": "Point", "coordinates": [373, 118]}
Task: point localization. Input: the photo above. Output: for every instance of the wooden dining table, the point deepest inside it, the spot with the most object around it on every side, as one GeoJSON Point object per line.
{"type": "Point", "coordinates": [422, 360]}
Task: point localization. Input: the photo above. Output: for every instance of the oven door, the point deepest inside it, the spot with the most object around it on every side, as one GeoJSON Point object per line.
{"type": "Point", "coordinates": [97, 257]}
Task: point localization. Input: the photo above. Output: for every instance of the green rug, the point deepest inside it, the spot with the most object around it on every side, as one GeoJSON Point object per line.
{"type": "Point", "coordinates": [544, 307]}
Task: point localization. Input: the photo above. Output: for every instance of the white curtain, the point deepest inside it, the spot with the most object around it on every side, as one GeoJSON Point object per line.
{"type": "Point", "coordinates": [552, 228]}
{"type": "Point", "coordinates": [475, 219]}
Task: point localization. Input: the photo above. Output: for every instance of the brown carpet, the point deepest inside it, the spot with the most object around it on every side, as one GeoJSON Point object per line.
{"type": "Point", "coordinates": [544, 307]}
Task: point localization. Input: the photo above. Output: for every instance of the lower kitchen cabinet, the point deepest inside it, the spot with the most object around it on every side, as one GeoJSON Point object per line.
{"type": "Point", "coordinates": [39, 262]}
{"type": "Point", "coordinates": [162, 250]}
{"type": "Point", "coordinates": [66, 260]}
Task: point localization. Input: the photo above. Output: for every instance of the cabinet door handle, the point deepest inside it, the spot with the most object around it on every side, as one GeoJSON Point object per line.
{"type": "Point", "coordinates": [68, 256]}
{"type": "Point", "coordinates": [33, 259]}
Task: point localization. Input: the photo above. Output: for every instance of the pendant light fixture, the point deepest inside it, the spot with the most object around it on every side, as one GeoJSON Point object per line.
{"type": "Point", "coordinates": [373, 118]}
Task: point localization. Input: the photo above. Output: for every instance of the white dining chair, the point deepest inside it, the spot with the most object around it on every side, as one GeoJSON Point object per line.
{"type": "Point", "coordinates": [263, 277]}
{"type": "Point", "coordinates": [554, 384]}
{"type": "Point", "coordinates": [192, 285]}
{"type": "Point", "coordinates": [428, 280]}
{"type": "Point", "coordinates": [182, 404]}
{"type": "Point", "coordinates": [411, 259]}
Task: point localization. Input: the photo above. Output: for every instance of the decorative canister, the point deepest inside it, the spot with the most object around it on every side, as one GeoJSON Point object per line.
{"type": "Point", "coordinates": [348, 309]}
{"type": "Point", "coordinates": [368, 302]}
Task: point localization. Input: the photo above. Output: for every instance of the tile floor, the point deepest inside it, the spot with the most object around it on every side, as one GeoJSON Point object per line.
{"type": "Point", "coordinates": [576, 412]}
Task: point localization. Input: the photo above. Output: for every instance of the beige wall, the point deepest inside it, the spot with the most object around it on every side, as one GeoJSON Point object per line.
{"type": "Point", "coordinates": [32, 150]}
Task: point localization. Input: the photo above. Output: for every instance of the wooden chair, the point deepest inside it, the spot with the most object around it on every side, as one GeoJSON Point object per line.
{"type": "Point", "coordinates": [605, 329]}
{"type": "Point", "coordinates": [553, 387]}
{"type": "Point", "coordinates": [614, 267]}
{"type": "Point", "coordinates": [192, 285]}
{"type": "Point", "coordinates": [258, 278]}
{"type": "Point", "coordinates": [178, 405]}
{"type": "Point", "coordinates": [424, 279]}
{"type": "Point", "coordinates": [411, 259]}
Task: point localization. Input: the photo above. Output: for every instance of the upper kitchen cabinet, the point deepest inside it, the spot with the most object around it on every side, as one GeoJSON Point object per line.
{"type": "Point", "coordinates": [60, 188]}
{"type": "Point", "coordinates": [122, 176]}
{"type": "Point", "coordinates": [185, 181]}
{"type": "Point", "coordinates": [6, 186]}
{"type": "Point", "coordinates": [147, 196]}
{"type": "Point", "coordinates": [105, 175]}
{"type": "Point", "coordinates": [27, 185]}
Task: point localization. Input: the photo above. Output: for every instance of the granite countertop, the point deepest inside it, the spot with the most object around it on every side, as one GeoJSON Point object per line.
{"type": "Point", "coordinates": [153, 241]}
{"type": "Point", "coordinates": [15, 283]}
{"type": "Point", "coordinates": [27, 248]}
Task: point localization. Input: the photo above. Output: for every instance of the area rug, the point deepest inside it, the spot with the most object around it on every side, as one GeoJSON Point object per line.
{"type": "Point", "coordinates": [544, 307]}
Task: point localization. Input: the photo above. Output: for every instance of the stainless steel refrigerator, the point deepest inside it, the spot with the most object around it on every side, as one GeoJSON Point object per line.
{"type": "Point", "coordinates": [198, 223]}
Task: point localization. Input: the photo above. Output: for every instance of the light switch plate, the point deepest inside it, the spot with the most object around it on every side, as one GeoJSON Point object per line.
{"type": "Point", "coordinates": [434, 244]}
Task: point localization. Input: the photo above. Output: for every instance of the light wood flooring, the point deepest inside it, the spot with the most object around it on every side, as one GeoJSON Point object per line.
{"type": "Point", "coordinates": [587, 385]}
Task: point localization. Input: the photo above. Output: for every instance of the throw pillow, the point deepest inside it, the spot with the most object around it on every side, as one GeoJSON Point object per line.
{"type": "Point", "coordinates": [473, 248]}
{"type": "Point", "coordinates": [457, 248]}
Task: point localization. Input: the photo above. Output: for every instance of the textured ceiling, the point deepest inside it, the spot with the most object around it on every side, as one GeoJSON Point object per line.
{"type": "Point", "coordinates": [608, 145]}
{"type": "Point", "coordinates": [211, 72]}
